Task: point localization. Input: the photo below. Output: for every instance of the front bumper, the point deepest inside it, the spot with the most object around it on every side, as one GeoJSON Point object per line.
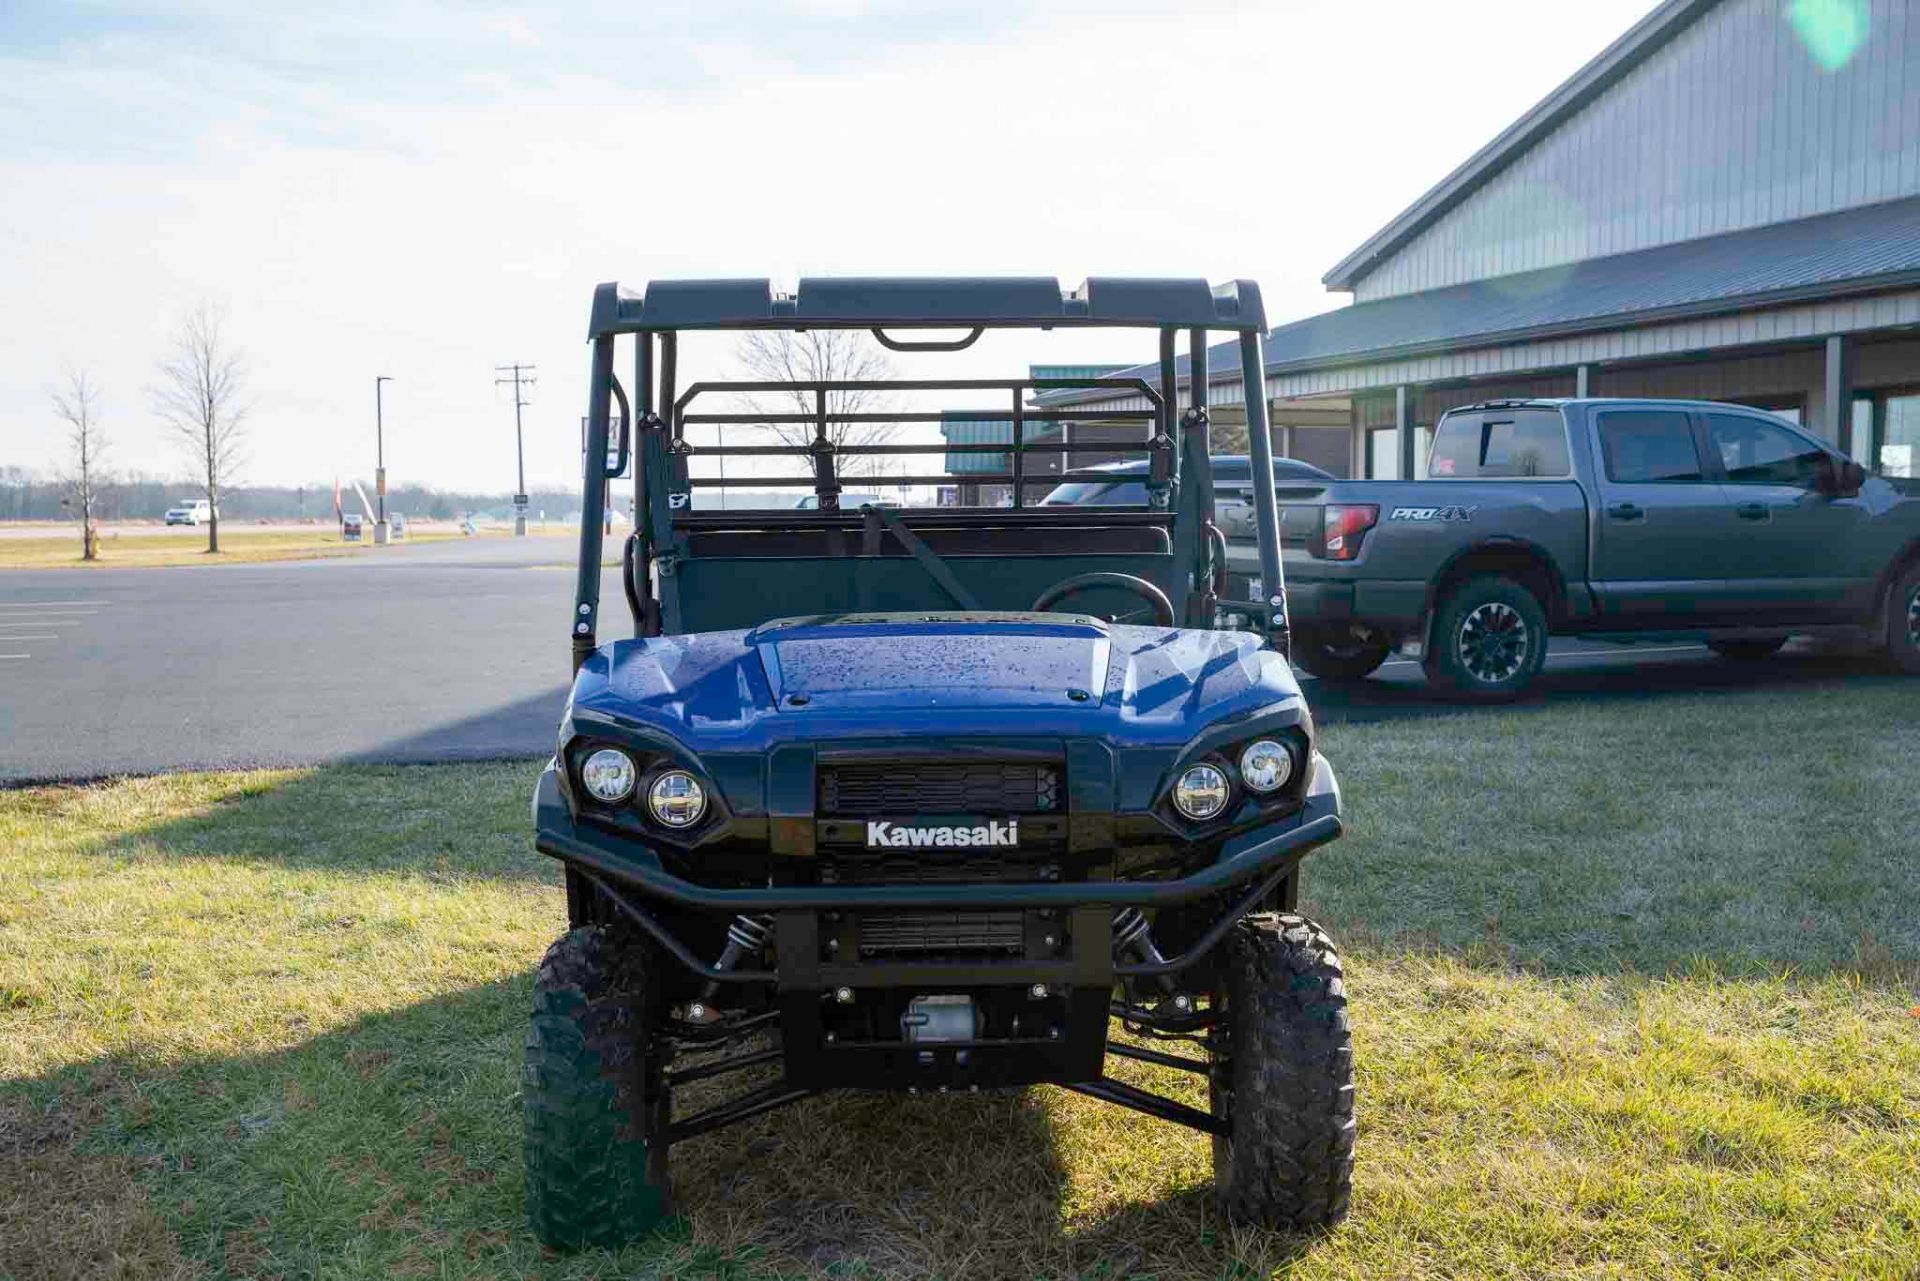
{"type": "Point", "coordinates": [1250, 856]}
{"type": "Point", "coordinates": [1062, 980]}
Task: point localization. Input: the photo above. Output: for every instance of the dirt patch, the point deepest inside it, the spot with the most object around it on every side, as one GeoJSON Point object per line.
{"type": "Point", "coordinates": [65, 1216]}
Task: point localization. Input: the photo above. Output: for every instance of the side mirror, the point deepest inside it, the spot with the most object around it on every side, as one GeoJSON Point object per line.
{"type": "Point", "coordinates": [1838, 477]}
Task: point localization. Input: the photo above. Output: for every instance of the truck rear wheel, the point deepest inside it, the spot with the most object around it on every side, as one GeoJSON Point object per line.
{"type": "Point", "coordinates": [1903, 622]}
{"type": "Point", "coordinates": [593, 1094]}
{"type": "Point", "coordinates": [1282, 1078]}
{"type": "Point", "coordinates": [1489, 639]}
{"type": "Point", "coordinates": [1338, 658]}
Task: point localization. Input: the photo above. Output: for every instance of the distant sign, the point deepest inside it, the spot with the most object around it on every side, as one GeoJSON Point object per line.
{"type": "Point", "coordinates": [520, 501]}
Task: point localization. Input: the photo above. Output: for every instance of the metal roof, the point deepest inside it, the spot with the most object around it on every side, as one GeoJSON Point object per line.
{"type": "Point", "coordinates": [1641, 40]}
{"type": "Point", "coordinates": [1863, 250]}
{"type": "Point", "coordinates": [926, 303]}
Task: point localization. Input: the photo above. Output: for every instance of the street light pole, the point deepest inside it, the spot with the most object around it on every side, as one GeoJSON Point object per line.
{"type": "Point", "coordinates": [380, 462]}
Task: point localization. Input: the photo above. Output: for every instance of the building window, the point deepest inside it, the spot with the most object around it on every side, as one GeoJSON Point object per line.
{"type": "Point", "coordinates": [1899, 444]}
{"type": "Point", "coordinates": [1863, 443]}
{"type": "Point", "coordinates": [1383, 453]}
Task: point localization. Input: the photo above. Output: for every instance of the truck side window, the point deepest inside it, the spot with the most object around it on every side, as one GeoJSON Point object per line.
{"type": "Point", "coordinates": [1756, 452]}
{"type": "Point", "coordinates": [1500, 444]}
{"type": "Point", "coordinates": [1649, 447]}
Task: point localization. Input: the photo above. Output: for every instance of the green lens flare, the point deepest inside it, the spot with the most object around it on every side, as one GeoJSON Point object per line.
{"type": "Point", "coordinates": [1831, 30]}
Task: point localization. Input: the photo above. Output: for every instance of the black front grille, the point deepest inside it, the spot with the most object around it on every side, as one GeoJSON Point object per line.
{"type": "Point", "coordinates": [937, 933]}
{"type": "Point", "coordinates": [882, 789]}
{"type": "Point", "coordinates": [844, 866]}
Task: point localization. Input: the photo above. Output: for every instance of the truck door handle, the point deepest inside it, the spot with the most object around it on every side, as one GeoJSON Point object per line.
{"type": "Point", "coordinates": [1626, 511]}
{"type": "Point", "coordinates": [1751, 511]}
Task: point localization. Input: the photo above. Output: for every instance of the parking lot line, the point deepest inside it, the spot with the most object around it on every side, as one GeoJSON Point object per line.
{"type": "Point", "coordinates": [50, 604]}
{"type": "Point", "coordinates": [12, 636]}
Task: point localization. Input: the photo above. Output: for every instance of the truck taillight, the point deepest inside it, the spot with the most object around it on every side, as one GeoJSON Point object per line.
{"type": "Point", "coordinates": [1343, 526]}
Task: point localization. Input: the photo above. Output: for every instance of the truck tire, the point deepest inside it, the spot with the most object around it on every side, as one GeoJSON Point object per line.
{"type": "Point", "coordinates": [1282, 1078]}
{"type": "Point", "coordinates": [1903, 621]}
{"type": "Point", "coordinates": [594, 1178]}
{"type": "Point", "coordinates": [1338, 658]}
{"type": "Point", "coordinates": [1489, 639]}
{"type": "Point", "coordinates": [1748, 651]}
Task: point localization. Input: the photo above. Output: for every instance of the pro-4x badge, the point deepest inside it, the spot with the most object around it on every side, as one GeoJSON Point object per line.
{"type": "Point", "coordinates": [886, 835]}
{"type": "Point", "coordinates": [1432, 513]}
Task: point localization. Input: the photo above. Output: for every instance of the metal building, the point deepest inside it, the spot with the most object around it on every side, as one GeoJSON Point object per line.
{"type": "Point", "coordinates": [1725, 203]}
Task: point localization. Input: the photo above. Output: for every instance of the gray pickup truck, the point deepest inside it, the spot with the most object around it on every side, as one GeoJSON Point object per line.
{"type": "Point", "coordinates": [1620, 518]}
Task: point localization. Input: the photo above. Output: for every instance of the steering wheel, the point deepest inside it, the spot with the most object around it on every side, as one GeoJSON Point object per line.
{"type": "Point", "coordinates": [1156, 599]}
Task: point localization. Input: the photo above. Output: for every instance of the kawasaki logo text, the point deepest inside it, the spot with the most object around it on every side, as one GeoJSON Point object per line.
{"type": "Point", "coordinates": [884, 835]}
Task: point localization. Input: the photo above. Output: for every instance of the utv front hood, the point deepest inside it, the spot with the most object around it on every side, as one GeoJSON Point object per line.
{"type": "Point", "coordinates": [919, 674]}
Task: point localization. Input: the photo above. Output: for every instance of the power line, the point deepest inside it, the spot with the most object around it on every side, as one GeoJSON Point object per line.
{"type": "Point", "coordinates": [521, 376]}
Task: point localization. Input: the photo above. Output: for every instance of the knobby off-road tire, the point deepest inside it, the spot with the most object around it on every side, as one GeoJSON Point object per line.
{"type": "Point", "coordinates": [591, 1097]}
{"type": "Point", "coordinates": [1489, 640]}
{"type": "Point", "coordinates": [1748, 651]}
{"type": "Point", "coordinates": [1283, 1078]}
{"type": "Point", "coordinates": [1903, 622]}
{"type": "Point", "coordinates": [1334, 658]}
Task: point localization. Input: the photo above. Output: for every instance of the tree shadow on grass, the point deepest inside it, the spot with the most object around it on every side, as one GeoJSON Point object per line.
{"type": "Point", "coordinates": [391, 1147]}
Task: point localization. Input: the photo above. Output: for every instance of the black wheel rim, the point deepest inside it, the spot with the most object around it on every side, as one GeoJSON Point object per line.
{"type": "Point", "coordinates": [1494, 643]}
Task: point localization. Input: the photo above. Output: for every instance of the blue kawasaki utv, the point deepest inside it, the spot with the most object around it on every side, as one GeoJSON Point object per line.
{"type": "Point", "coordinates": [929, 798]}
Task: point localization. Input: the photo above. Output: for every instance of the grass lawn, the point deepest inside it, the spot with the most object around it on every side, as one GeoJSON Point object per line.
{"type": "Point", "coordinates": [1636, 989]}
{"type": "Point", "coordinates": [238, 544]}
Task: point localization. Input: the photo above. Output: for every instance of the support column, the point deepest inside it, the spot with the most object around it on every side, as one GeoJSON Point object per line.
{"type": "Point", "coordinates": [1403, 428]}
{"type": "Point", "coordinates": [1837, 402]}
{"type": "Point", "coordinates": [1582, 381]}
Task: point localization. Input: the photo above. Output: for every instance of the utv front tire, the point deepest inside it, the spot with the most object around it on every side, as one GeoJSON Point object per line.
{"type": "Point", "coordinates": [593, 1101]}
{"type": "Point", "coordinates": [1282, 1078]}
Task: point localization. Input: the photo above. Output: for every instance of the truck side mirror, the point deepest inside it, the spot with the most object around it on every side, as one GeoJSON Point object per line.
{"type": "Point", "coordinates": [1838, 477]}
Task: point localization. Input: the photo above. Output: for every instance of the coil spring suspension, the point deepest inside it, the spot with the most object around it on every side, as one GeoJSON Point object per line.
{"type": "Point", "coordinates": [747, 936]}
{"type": "Point", "coordinates": [1133, 936]}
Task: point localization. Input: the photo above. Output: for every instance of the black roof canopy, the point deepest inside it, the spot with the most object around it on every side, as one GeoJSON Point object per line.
{"type": "Point", "coordinates": [860, 302]}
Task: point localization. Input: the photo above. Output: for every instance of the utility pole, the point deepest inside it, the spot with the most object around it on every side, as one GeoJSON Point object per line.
{"type": "Point", "coordinates": [520, 376]}
{"type": "Point", "coordinates": [379, 463]}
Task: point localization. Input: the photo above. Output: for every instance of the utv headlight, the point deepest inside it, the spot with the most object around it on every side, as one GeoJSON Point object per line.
{"type": "Point", "coordinates": [1202, 792]}
{"type": "Point", "coordinates": [676, 799]}
{"type": "Point", "coordinates": [1265, 767]}
{"type": "Point", "coordinates": [608, 775]}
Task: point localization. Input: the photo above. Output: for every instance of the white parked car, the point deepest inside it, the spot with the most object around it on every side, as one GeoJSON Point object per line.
{"type": "Point", "coordinates": [191, 511]}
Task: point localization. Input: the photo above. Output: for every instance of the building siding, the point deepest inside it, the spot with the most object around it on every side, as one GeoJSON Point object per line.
{"type": "Point", "coordinates": [1786, 324]}
{"type": "Point", "coordinates": [1734, 124]}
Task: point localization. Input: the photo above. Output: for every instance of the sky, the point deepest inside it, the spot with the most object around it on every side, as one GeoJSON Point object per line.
{"type": "Point", "coordinates": [426, 189]}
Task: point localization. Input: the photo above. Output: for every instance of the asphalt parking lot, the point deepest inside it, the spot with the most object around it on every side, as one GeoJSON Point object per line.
{"type": "Point", "coordinates": [456, 651]}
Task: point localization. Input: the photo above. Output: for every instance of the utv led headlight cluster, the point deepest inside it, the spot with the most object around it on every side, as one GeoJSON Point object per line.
{"type": "Point", "coordinates": [676, 799]}
{"type": "Point", "coordinates": [1202, 792]}
{"type": "Point", "coordinates": [609, 775]}
{"type": "Point", "coordinates": [1265, 767]}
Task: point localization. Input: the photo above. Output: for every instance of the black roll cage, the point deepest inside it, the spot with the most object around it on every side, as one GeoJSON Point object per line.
{"type": "Point", "coordinates": [651, 427]}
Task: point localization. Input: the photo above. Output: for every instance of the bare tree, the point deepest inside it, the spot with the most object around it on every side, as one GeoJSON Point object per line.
{"type": "Point", "coordinates": [821, 355]}
{"type": "Point", "coordinates": [199, 399]}
{"type": "Point", "coordinates": [77, 402]}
